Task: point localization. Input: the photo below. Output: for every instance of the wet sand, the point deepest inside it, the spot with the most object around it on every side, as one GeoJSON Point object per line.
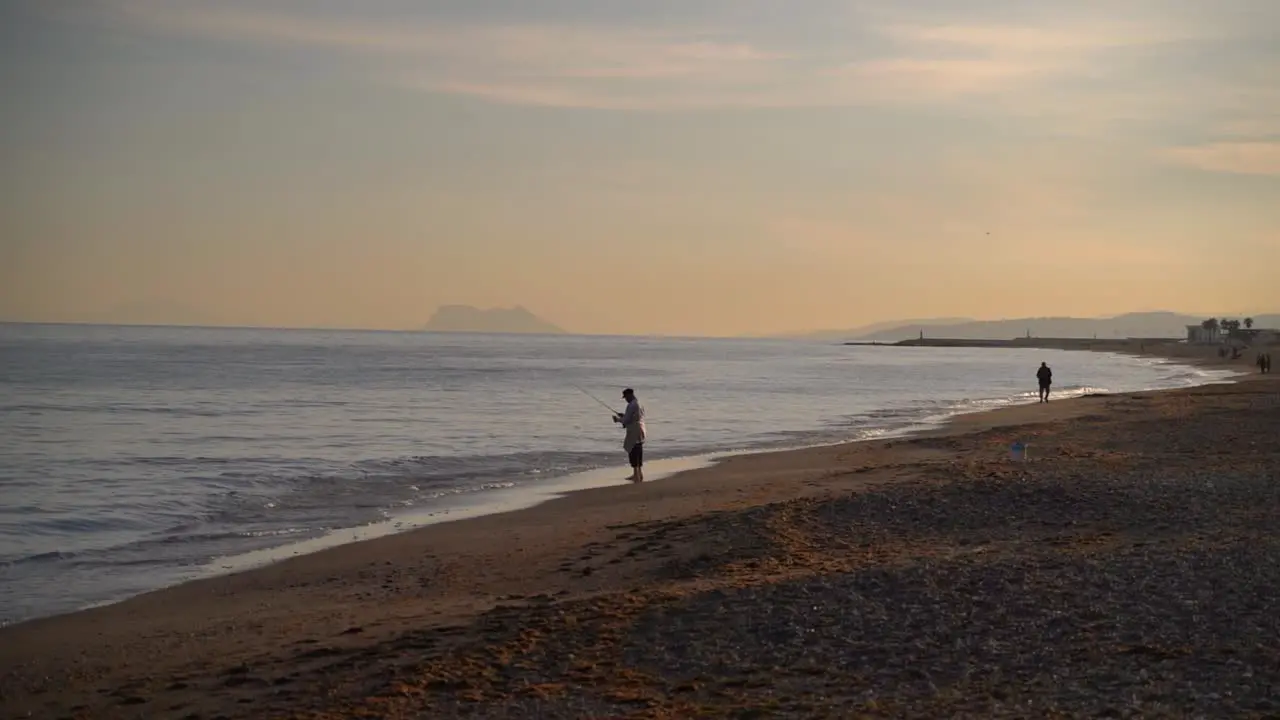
{"type": "Point", "coordinates": [1131, 565]}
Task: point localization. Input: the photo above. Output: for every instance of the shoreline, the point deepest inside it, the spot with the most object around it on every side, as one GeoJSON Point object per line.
{"type": "Point", "coordinates": [509, 500]}
{"type": "Point", "coordinates": [523, 497]}
{"type": "Point", "coordinates": [177, 645]}
{"type": "Point", "coordinates": [499, 502]}
{"type": "Point", "coordinates": [267, 635]}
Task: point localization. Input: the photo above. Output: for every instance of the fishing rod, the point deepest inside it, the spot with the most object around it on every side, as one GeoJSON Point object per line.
{"type": "Point", "coordinates": [593, 397]}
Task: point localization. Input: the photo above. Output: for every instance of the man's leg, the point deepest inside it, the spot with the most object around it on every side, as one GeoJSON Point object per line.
{"type": "Point", "coordinates": [636, 458]}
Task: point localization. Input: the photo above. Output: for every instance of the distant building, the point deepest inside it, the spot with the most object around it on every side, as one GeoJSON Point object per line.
{"type": "Point", "coordinates": [1198, 335]}
{"type": "Point", "coordinates": [1244, 337]}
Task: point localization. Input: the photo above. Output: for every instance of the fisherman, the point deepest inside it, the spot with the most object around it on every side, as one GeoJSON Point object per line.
{"type": "Point", "coordinates": [1045, 376]}
{"type": "Point", "coordinates": [632, 420]}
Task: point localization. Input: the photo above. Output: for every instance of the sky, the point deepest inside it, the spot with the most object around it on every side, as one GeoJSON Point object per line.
{"type": "Point", "coordinates": [675, 167]}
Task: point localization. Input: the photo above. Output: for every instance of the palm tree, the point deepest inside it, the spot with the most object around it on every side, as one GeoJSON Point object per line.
{"type": "Point", "coordinates": [1248, 323]}
{"type": "Point", "coordinates": [1210, 324]}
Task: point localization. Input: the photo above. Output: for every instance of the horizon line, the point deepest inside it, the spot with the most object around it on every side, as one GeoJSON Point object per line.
{"type": "Point", "coordinates": [779, 335]}
{"type": "Point", "coordinates": [402, 331]}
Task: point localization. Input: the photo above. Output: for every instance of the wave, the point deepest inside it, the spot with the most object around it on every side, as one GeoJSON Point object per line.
{"type": "Point", "coordinates": [142, 552]}
{"type": "Point", "coordinates": [51, 556]}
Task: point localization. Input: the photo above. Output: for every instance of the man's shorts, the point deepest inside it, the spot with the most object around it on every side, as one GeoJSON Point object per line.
{"type": "Point", "coordinates": [636, 455]}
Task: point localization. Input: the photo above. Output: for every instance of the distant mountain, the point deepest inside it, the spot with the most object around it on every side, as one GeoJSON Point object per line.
{"type": "Point", "coordinates": [864, 330]}
{"type": "Point", "coordinates": [1146, 324]}
{"type": "Point", "coordinates": [464, 318]}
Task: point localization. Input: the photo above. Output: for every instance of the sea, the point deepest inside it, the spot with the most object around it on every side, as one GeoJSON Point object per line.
{"type": "Point", "coordinates": [133, 458]}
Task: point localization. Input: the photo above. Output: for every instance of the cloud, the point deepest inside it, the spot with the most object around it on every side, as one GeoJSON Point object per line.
{"type": "Point", "coordinates": [950, 61]}
{"type": "Point", "coordinates": [1262, 125]}
{"type": "Point", "coordinates": [525, 63]}
{"type": "Point", "coordinates": [562, 63]}
{"type": "Point", "coordinates": [1034, 40]}
{"type": "Point", "coordinates": [231, 22]}
{"type": "Point", "coordinates": [1072, 67]}
{"type": "Point", "coordinates": [1239, 158]}
{"type": "Point", "coordinates": [932, 79]}
{"type": "Point", "coordinates": [922, 64]}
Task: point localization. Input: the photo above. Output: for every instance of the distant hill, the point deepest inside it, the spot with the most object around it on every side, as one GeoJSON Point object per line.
{"type": "Point", "coordinates": [1146, 324]}
{"type": "Point", "coordinates": [864, 330]}
{"type": "Point", "coordinates": [464, 318]}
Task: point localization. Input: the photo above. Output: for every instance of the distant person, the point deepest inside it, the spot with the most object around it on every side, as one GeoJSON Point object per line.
{"type": "Point", "coordinates": [1045, 376]}
{"type": "Point", "coordinates": [1262, 362]}
{"type": "Point", "coordinates": [1266, 363]}
{"type": "Point", "coordinates": [632, 420]}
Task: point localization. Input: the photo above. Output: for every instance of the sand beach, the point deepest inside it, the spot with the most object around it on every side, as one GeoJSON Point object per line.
{"type": "Point", "coordinates": [1131, 566]}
